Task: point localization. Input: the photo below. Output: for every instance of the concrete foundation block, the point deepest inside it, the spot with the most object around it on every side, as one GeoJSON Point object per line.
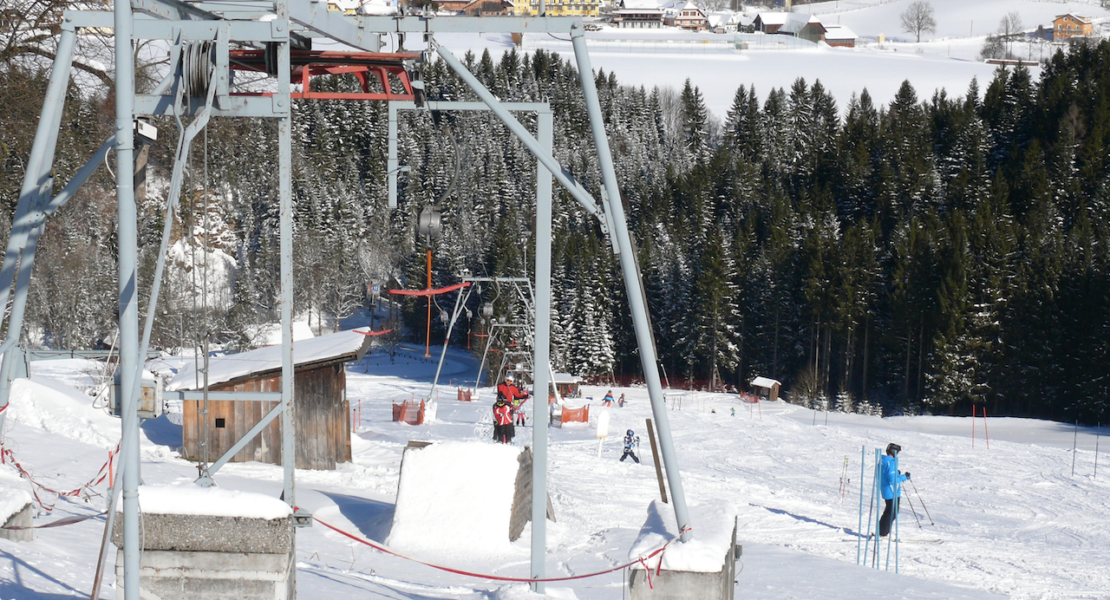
{"type": "Point", "coordinates": [20, 518]}
{"type": "Point", "coordinates": [212, 557]}
{"type": "Point", "coordinates": [681, 585]}
{"type": "Point", "coordinates": [171, 575]}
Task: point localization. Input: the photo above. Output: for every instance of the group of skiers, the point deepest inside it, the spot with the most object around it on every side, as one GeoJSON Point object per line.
{"type": "Point", "coordinates": [508, 410]}
{"type": "Point", "coordinates": [608, 400]}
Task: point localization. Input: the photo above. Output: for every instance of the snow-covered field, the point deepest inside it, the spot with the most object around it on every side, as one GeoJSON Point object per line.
{"type": "Point", "coordinates": [1009, 521]}
{"type": "Point", "coordinates": [946, 59]}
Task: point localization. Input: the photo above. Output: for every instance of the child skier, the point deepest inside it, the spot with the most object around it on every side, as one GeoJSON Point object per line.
{"type": "Point", "coordinates": [631, 441]}
{"type": "Point", "coordinates": [503, 430]}
{"type": "Point", "coordinates": [621, 401]}
{"type": "Point", "coordinates": [608, 399]}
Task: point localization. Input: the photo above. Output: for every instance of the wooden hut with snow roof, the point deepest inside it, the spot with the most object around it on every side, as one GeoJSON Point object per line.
{"type": "Point", "coordinates": [322, 413]}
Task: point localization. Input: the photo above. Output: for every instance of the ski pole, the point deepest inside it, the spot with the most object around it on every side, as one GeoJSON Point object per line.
{"type": "Point", "coordinates": [918, 519]}
{"type": "Point", "coordinates": [922, 502]}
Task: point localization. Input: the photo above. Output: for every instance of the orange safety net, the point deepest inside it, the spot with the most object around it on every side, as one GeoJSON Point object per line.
{"type": "Point", "coordinates": [576, 415]}
{"type": "Point", "coordinates": [464, 395]}
{"type": "Point", "coordinates": [409, 412]}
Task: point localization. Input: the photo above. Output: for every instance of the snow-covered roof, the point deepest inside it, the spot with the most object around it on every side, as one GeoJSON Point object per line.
{"type": "Point", "coordinates": [641, 4]}
{"type": "Point", "coordinates": [773, 18]}
{"type": "Point", "coordinates": [566, 378]}
{"type": "Point", "coordinates": [1076, 17]}
{"type": "Point", "coordinates": [796, 22]}
{"type": "Point", "coordinates": [222, 369]}
{"type": "Point", "coordinates": [638, 11]}
{"type": "Point", "coordinates": [764, 382]}
{"type": "Point", "coordinates": [839, 32]}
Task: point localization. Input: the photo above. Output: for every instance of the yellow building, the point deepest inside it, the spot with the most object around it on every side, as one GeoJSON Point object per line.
{"type": "Point", "coordinates": [1066, 26]}
{"type": "Point", "coordinates": [558, 8]}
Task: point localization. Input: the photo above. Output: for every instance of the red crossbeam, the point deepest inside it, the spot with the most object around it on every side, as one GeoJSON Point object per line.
{"type": "Point", "coordinates": [363, 65]}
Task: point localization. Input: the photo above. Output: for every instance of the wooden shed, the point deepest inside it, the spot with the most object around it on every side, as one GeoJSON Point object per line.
{"type": "Point", "coordinates": [767, 387]}
{"type": "Point", "coordinates": [323, 416]}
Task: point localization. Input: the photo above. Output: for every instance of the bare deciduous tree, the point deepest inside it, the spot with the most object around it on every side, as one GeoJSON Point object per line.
{"type": "Point", "coordinates": [918, 18]}
{"type": "Point", "coordinates": [1010, 26]}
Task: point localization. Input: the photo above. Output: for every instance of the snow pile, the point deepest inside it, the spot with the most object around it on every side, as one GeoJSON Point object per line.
{"type": "Point", "coordinates": [12, 497]}
{"type": "Point", "coordinates": [53, 406]}
{"type": "Point", "coordinates": [454, 500]}
{"type": "Point", "coordinates": [270, 334]}
{"type": "Point", "coordinates": [226, 368]}
{"type": "Point", "coordinates": [192, 499]}
{"type": "Point", "coordinates": [704, 553]}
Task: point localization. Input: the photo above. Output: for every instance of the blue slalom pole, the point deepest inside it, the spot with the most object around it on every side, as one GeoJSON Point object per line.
{"type": "Point", "coordinates": [859, 529]}
{"type": "Point", "coordinates": [870, 511]}
{"type": "Point", "coordinates": [894, 524]}
{"type": "Point", "coordinates": [878, 503]}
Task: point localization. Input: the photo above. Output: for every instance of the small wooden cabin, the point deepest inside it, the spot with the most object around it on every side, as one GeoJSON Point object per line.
{"type": "Point", "coordinates": [323, 416]}
{"type": "Point", "coordinates": [568, 385]}
{"type": "Point", "coordinates": [766, 387]}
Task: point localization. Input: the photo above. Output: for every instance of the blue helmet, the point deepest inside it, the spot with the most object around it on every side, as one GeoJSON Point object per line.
{"type": "Point", "coordinates": [630, 432]}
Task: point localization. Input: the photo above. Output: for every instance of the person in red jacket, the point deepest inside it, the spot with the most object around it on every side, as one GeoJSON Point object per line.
{"type": "Point", "coordinates": [515, 397]}
{"type": "Point", "coordinates": [503, 430]}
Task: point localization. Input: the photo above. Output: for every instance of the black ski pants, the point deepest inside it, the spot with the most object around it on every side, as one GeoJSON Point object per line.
{"type": "Point", "coordinates": [888, 516]}
{"type": "Point", "coordinates": [628, 452]}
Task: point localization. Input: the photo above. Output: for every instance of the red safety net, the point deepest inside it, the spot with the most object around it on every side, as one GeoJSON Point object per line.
{"type": "Point", "coordinates": [430, 291]}
{"type": "Point", "coordinates": [464, 395]}
{"type": "Point", "coordinates": [576, 415]}
{"type": "Point", "coordinates": [409, 412]}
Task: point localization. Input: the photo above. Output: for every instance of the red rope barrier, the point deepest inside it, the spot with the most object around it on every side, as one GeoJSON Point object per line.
{"type": "Point", "coordinates": [372, 333]}
{"type": "Point", "coordinates": [101, 475]}
{"type": "Point", "coordinates": [642, 560]}
{"type": "Point", "coordinates": [59, 523]}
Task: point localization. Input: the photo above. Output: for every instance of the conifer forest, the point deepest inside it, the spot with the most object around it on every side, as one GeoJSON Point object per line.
{"type": "Point", "coordinates": [950, 248]}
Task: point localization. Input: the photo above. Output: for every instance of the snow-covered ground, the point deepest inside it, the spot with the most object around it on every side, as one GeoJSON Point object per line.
{"type": "Point", "coordinates": [947, 59]}
{"type": "Point", "coordinates": [1009, 521]}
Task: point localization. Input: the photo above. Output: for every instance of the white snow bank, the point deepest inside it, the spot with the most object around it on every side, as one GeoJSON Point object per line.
{"type": "Point", "coordinates": [12, 497]}
{"type": "Point", "coordinates": [454, 500]}
{"type": "Point", "coordinates": [192, 499]}
{"type": "Point", "coordinates": [53, 406]}
{"type": "Point", "coordinates": [226, 368]}
{"type": "Point", "coordinates": [712, 526]}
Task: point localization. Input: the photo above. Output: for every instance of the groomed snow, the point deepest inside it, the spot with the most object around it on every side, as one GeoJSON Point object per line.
{"type": "Point", "coordinates": [1011, 521]}
{"type": "Point", "coordinates": [189, 499]}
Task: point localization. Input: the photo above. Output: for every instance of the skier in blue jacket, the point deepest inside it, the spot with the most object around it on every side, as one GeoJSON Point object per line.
{"type": "Point", "coordinates": [890, 484]}
{"type": "Point", "coordinates": [631, 440]}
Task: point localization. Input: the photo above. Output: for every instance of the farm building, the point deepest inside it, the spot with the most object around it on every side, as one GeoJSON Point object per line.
{"type": "Point", "coordinates": [320, 399]}
{"type": "Point", "coordinates": [841, 36]}
{"type": "Point", "coordinates": [766, 387]}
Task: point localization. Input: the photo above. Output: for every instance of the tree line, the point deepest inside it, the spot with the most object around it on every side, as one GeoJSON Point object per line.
{"type": "Point", "coordinates": [923, 255]}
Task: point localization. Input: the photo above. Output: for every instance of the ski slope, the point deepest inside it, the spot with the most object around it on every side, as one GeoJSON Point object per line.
{"type": "Point", "coordinates": [1011, 521]}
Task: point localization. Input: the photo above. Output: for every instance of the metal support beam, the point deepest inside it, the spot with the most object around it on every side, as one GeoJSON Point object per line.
{"type": "Point", "coordinates": [226, 396]}
{"type": "Point", "coordinates": [37, 181]}
{"type": "Point", "coordinates": [128, 293]}
{"type": "Point", "coordinates": [542, 348]}
{"type": "Point", "coordinates": [636, 300]}
{"type": "Point", "coordinates": [285, 201]}
{"type": "Point", "coordinates": [562, 175]}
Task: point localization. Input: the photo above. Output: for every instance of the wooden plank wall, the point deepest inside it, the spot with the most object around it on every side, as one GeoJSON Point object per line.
{"type": "Point", "coordinates": [322, 415]}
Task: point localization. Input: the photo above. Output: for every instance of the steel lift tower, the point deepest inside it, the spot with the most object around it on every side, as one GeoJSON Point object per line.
{"type": "Point", "coordinates": [207, 40]}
